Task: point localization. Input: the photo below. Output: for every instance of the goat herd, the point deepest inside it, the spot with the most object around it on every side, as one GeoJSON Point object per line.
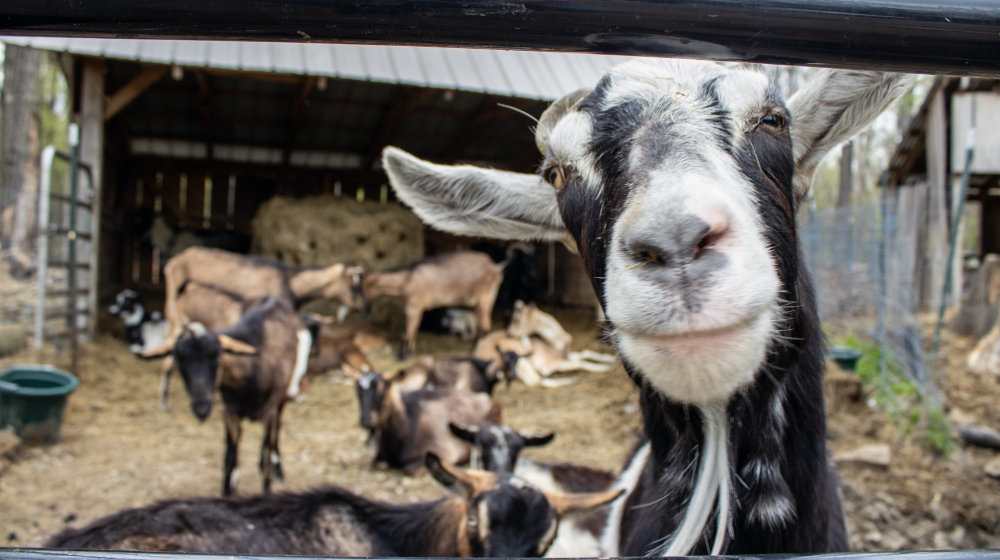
{"type": "Point", "coordinates": [677, 182]}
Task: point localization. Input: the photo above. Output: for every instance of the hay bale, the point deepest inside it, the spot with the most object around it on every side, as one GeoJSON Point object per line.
{"type": "Point", "coordinates": [325, 229]}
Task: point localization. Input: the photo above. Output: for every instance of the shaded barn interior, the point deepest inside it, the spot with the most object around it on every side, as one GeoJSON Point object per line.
{"type": "Point", "coordinates": [202, 134]}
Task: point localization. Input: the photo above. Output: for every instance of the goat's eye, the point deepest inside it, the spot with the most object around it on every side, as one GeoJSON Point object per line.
{"type": "Point", "coordinates": [773, 120]}
{"type": "Point", "coordinates": [473, 521]}
{"type": "Point", "coordinates": [554, 177]}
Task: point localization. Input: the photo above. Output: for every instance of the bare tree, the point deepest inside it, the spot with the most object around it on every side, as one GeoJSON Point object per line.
{"type": "Point", "coordinates": [19, 129]}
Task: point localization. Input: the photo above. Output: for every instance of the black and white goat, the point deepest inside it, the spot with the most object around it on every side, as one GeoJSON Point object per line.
{"type": "Point", "coordinates": [142, 329]}
{"type": "Point", "coordinates": [497, 448]}
{"type": "Point", "coordinates": [678, 181]}
{"type": "Point", "coordinates": [487, 516]}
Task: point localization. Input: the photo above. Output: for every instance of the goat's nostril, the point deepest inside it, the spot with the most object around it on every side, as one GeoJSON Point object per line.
{"type": "Point", "coordinates": [709, 241]}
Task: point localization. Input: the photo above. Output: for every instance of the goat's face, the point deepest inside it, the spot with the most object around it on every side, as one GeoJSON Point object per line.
{"type": "Point", "coordinates": [676, 181]}
{"type": "Point", "coordinates": [128, 307]}
{"type": "Point", "coordinates": [371, 389]}
{"type": "Point", "coordinates": [197, 353]}
{"type": "Point", "coordinates": [678, 191]}
{"type": "Point", "coordinates": [506, 516]}
{"type": "Point", "coordinates": [500, 445]}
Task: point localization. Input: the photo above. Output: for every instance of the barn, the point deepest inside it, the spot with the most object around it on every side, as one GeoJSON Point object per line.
{"type": "Point", "coordinates": [924, 184]}
{"type": "Point", "coordinates": [202, 134]}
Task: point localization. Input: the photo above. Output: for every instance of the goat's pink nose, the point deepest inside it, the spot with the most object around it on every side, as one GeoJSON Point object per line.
{"type": "Point", "coordinates": [675, 242]}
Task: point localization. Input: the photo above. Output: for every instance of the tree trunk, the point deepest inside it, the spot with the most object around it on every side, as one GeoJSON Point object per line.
{"type": "Point", "coordinates": [19, 128]}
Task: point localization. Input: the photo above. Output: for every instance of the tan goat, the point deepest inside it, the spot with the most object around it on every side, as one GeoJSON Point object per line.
{"type": "Point", "coordinates": [253, 277]}
{"type": "Point", "coordinates": [461, 279]}
{"type": "Point", "coordinates": [543, 346]}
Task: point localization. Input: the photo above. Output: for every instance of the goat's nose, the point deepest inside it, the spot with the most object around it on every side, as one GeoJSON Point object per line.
{"type": "Point", "coordinates": [674, 246]}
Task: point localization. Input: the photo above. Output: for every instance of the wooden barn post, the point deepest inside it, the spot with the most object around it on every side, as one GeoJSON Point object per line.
{"type": "Point", "coordinates": [92, 152]}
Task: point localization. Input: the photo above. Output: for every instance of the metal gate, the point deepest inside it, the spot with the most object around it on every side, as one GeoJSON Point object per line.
{"type": "Point", "coordinates": [73, 222]}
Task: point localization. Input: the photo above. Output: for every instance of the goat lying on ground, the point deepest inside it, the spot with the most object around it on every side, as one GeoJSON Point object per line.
{"type": "Point", "coordinates": [486, 515]}
{"type": "Point", "coordinates": [410, 424]}
{"type": "Point", "coordinates": [462, 373]}
{"type": "Point", "coordinates": [544, 348]}
{"type": "Point", "coordinates": [252, 277]}
{"type": "Point", "coordinates": [334, 347]}
{"type": "Point", "coordinates": [461, 279]}
{"type": "Point", "coordinates": [678, 183]}
{"type": "Point", "coordinates": [252, 364]}
{"type": "Point", "coordinates": [450, 320]}
{"type": "Point", "coordinates": [143, 329]}
{"type": "Point", "coordinates": [498, 448]}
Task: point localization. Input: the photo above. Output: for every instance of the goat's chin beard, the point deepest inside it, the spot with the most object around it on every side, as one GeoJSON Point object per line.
{"type": "Point", "coordinates": [700, 368]}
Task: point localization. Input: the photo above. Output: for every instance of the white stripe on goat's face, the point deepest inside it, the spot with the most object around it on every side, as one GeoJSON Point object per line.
{"type": "Point", "coordinates": [690, 283]}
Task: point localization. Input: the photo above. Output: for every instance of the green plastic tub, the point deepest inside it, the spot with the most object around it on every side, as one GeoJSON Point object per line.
{"type": "Point", "coordinates": [846, 358]}
{"type": "Point", "coordinates": [33, 399]}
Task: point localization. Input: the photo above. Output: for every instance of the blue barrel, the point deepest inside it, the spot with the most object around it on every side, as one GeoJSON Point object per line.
{"type": "Point", "coordinates": [33, 399]}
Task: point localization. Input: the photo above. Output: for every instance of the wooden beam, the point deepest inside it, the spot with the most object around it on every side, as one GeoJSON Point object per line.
{"type": "Point", "coordinates": [407, 99]}
{"type": "Point", "coordinates": [131, 90]}
{"type": "Point", "coordinates": [205, 95]}
{"type": "Point", "coordinates": [298, 107]}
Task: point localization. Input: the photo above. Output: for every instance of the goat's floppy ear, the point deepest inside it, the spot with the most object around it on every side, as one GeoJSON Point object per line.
{"type": "Point", "coordinates": [467, 484]}
{"type": "Point", "coordinates": [474, 201]}
{"type": "Point", "coordinates": [234, 346]}
{"type": "Point", "coordinates": [464, 433]}
{"type": "Point", "coordinates": [579, 505]}
{"type": "Point", "coordinates": [534, 440]}
{"type": "Point", "coordinates": [832, 107]}
{"type": "Point", "coordinates": [162, 350]}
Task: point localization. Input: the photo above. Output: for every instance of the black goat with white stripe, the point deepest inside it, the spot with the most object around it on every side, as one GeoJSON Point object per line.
{"type": "Point", "coordinates": [677, 182]}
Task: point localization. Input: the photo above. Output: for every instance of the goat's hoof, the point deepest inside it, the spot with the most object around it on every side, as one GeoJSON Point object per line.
{"type": "Point", "coordinates": [380, 465]}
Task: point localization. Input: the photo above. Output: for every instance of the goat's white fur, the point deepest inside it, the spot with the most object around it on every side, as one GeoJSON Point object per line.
{"type": "Point", "coordinates": [301, 361]}
{"type": "Point", "coordinates": [464, 199]}
{"type": "Point", "coordinates": [627, 481]}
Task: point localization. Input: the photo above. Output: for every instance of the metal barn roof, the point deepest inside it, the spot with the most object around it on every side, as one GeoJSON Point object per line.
{"type": "Point", "coordinates": [531, 75]}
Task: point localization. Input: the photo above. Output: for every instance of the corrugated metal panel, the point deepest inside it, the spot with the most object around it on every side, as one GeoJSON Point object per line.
{"type": "Point", "coordinates": [378, 64]}
{"type": "Point", "coordinates": [289, 58]}
{"type": "Point", "coordinates": [256, 56]}
{"type": "Point", "coordinates": [319, 61]}
{"type": "Point", "coordinates": [350, 63]}
{"type": "Point", "coordinates": [524, 74]}
{"type": "Point", "coordinates": [157, 51]}
{"type": "Point", "coordinates": [517, 74]}
{"type": "Point", "coordinates": [224, 55]}
{"type": "Point", "coordinates": [409, 70]}
{"type": "Point", "coordinates": [192, 53]}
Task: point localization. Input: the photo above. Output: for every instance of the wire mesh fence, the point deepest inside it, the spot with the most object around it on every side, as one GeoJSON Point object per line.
{"type": "Point", "coordinates": [867, 272]}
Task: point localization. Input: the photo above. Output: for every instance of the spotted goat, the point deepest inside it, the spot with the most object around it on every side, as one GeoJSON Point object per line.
{"type": "Point", "coordinates": [678, 182]}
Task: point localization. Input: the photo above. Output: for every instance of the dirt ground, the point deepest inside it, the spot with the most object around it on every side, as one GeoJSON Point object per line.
{"type": "Point", "coordinates": [119, 450]}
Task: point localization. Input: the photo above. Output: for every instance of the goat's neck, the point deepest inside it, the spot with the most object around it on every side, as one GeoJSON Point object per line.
{"type": "Point", "coordinates": [739, 446]}
{"type": "Point", "coordinates": [392, 414]}
{"type": "Point", "coordinates": [430, 530]}
{"type": "Point", "coordinates": [313, 282]}
{"type": "Point", "coordinates": [385, 283]}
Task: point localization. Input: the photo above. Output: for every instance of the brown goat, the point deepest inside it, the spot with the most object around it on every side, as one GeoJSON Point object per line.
{"type": "Point", "coordinates": [253, 277]}
{"type": "Point", "coordinates": [409, 425]}
{"type": "Point", "coordinates": [461, 279]}
{"type": "Point", "coordinates": [252, 365]}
